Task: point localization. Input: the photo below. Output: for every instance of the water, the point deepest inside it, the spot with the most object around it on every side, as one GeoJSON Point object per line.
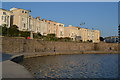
{"type": "Point", "coordinates": [73, 66]}
{"type": "Point", "coordinates": [4, 56]}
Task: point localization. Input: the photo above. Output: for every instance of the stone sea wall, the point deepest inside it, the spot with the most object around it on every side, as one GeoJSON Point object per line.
{"type": "Point", "coordinates": [17, 45]}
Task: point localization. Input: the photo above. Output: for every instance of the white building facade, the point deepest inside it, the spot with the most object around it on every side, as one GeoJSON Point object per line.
{"type": "Point", "coordinates": [5, 17]}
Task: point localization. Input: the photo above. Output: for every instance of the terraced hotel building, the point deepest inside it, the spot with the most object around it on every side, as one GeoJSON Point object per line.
{"type": "Point", "coordinates": [26, 22]}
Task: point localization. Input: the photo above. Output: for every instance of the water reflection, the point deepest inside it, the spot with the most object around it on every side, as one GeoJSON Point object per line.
{"type": "Point", "coordinates": [74, 66]}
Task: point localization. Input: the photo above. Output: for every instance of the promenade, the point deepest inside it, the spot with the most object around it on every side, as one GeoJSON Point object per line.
{"type": "Point", "coordinates": [11, 69]}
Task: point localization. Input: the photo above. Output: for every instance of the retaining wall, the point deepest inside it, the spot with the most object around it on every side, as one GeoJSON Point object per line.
{"type": "Point", "coordinates": [16, 45]}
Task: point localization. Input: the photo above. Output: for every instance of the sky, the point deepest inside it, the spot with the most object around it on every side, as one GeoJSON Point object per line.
{"type": "Point", "coordinates": [101, 16]}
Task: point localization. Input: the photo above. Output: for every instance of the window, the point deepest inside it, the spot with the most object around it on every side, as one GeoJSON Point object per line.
{"type": "Point", "coordinates": [2, 17]}
{"type": "Point", "coordinates": [61, 33]}
{"type": "Point", "coordinates": [72, 34]}
{"type": "Point", "coordinates": [60, 25]}
{"type": "Point", "coordinates": [8, 19]}
{"type": "Point", "coordinates": [11, 17]}
{"type": "Point", "coordinates": [22, 11]}
{"type": "Point", "coordinates": [4, 13]}
{"type": "Point", "coordinates": [25, 12]}
{"type": "Point", "coordinates": [24, 25]}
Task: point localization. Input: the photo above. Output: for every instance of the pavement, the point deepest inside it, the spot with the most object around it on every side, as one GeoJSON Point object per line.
{"type": "Point", "coordinates": [11, 69]}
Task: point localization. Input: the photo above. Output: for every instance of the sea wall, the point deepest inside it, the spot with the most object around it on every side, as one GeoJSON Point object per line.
{"type": "Point", "coordinates": [17, 45]}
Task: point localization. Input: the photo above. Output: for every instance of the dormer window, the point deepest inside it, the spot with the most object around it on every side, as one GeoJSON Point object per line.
{"type": "Point", "coordinates": [4, 13]}
{"type": "Point", "coordinates": [22, 11]}
{"type": "Point", "coordinates": [60, 25]}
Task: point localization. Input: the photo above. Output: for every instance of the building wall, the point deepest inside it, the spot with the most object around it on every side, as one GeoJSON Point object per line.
{"type": "Point", "coordinates": [66, 32]}
{"type": "Point", "coordinates": [83, 34]}
{"type": "Point", "coordinates": [96, 36]}
{"type": "Point", "coordinates": [5, 17]}
{"type": "Point", "coordinates": [21, 18]}
{"type": "Point", "coordinates": [43, 27]}
{"type": "Point", "coordinates": [60, 30]}
{"type": "Point", "coordinates": [31, 25]}
{"type": "Point", "coordinates": [37, 25]}
{"type": "Point", "coordinates": [88, 35]}
{"type": "Point", "coordinates": [71, 32]}
{"type": "Point", "coordinates": [52, 26]}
